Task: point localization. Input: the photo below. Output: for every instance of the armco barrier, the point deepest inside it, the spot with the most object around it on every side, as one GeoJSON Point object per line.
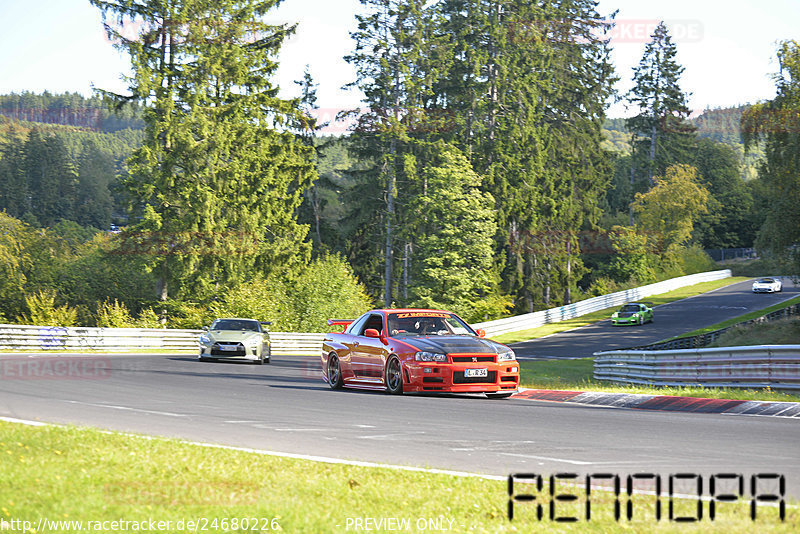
{"type": "Point", "coordinates": [703, 340]}
{"type": "Point", "coordinates": [774, 366]}
{"type": "Point", "coordinates": [570, 311]}
{"type": "Point", "coordinates": [57, 338]}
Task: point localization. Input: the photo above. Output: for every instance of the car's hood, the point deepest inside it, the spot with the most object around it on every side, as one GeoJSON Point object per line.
{"type": "Point", "coordinates": [764, 284]}
{"type": "Point", "coordinates": [232, 335]}
{"type": "Point", "coordinates": [454, 344]}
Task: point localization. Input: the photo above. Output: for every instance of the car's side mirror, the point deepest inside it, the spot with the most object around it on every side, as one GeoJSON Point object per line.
{"type": "Point", "coordinates": [481, 332]}
{"type": "Point", "coordinates": [205, 329]}
{"type": "Point", "coordinates": [371, 332]}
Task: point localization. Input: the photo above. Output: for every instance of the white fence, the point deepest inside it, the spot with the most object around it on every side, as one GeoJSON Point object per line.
{"type": "Point", "coordinates": [46, 338]}
{"type": "Point", "coordinates": [570, 311]}
{"type": "Point", "coordinates": [775, 366]}
{"type": "Point", "coordinates": [58, 338]}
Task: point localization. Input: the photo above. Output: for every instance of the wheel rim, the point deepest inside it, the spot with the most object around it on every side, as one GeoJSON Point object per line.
{"type": "Point", "coordinates": [333, 370]}
{"type": "Point", "coordinates": [393, 375]}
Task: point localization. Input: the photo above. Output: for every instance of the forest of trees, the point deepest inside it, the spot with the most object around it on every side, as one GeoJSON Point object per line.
{"type": "Point", "coordinates": [482, 174]}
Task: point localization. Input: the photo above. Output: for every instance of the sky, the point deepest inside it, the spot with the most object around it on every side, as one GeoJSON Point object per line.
{"type": "Point", "coordinates": [726, 46]}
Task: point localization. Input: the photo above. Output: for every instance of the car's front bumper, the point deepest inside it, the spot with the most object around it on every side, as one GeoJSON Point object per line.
{"type": "Point", "coordinates": [451, 377]}
{"type": "Point", "coordinates": [619, 321]}
{"type": "Point", "coordinates": [207, 352]}
{"type": "Point", "coordinates": [765, 290]}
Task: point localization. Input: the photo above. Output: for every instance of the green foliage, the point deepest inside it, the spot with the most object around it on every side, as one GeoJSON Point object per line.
{"type": "Point", "coordinates": [729, 223]}
{"type": "Point", "coordinates": [148, 319]}
{"type": "Point", "coordinates": [777, 123]}
{"type": "Point", "coordinates": [13, 264]}
{"type": "Point", "coordinates": [325, 289]}
{"type": "Point", "coordinates": [633, 259]}
{"type": "Point", "coordinates": [114, 315]}
{"type": "Point", "coordinates": [668, 211]}
{"type": "Point", "coordinates": [42, 311]}
{"type": "Point", "coordinates": [452, 265]}
{"type": "Point", "coordinates": [217, 161]}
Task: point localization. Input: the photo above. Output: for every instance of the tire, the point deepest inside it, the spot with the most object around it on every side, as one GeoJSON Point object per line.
{"type": "Point", "coordinates": [334, 372]}
{"type": "Point", "coordinates": [267, 360]}
{"type": "Point", "coordinates": [497, 396]}
{"type": "Point", "coordinates": [393, 376]}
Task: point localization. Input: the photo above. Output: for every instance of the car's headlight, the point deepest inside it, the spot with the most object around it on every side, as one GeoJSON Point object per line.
{"type": "Point", "coordinates": [615, 315]}
{"type": "Point", "coordinates": [506, 356]}
{"type": "Point", "coordinates": [205, 340]}
{"type": "Point", "coordinates": [430, 357]}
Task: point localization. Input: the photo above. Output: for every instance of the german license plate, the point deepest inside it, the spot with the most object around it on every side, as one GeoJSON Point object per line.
{"type": "Point", "coordinates": [229, 348]}
{"type": "Point", "coordinates": [472, 373]}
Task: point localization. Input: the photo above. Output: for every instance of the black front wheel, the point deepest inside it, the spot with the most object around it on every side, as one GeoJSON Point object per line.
{"type": "Point", "coordinates": [394, 376]}
{"type": "Point", "coordinates": [334, 372]}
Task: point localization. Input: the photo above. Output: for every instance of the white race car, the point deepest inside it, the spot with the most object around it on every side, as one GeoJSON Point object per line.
{"type": "Point", "coordinates": [767, 285]}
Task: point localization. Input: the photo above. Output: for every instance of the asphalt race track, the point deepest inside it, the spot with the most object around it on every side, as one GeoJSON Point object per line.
{"type": "Point", "coordinates": [670, 320]}
{"type": "Point", "coordinates": [285, 407]}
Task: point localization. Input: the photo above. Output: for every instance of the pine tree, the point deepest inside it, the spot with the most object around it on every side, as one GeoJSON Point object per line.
{"type": "Point", "coordinates": [661, 134]}
{"type": "Point", "coordinates": [219, 177]}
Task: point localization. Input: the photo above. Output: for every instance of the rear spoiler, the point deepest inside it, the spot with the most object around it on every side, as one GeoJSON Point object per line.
{"type": "Point", "coordinates": [340, 322]}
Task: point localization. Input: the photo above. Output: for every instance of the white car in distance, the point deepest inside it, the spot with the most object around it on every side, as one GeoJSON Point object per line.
{"type": "Point", "coordinates": [767, 285]}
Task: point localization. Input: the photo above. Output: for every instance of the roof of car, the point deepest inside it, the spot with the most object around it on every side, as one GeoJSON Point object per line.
{"type": "Point", "coordinates": [408, 310]}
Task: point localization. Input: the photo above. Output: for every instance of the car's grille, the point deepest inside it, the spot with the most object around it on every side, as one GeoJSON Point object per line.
{"type": "Point", "coordinates": [236, 350]}
{"type": "Point", "coordinates": [467, 359]}
{"type": "Point", "coordinates": [459, 378]}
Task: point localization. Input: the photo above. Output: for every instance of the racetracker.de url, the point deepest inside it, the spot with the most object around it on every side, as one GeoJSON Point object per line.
{"type": "Point", "coordinates": [200, 524]}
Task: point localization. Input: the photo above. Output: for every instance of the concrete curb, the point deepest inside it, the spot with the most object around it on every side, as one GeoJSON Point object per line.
{"type": "Point", "coordinates": [665, 403]}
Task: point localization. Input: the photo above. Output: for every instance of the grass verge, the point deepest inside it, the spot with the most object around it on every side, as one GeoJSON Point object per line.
{"type": "Point", "coordinates": [591, 318]}
{"type": "Point", "coordinates": [70, 474]}
{"type": "Point", "coordinates": [577, 375]}
{"type": "Point", "coordinates": [740, 319]}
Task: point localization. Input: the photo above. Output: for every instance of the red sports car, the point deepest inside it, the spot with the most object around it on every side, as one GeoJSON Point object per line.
{"type": "Point", "coordinates": [411, 350]}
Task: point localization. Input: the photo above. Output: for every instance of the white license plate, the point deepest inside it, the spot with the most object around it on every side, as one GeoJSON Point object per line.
{"type": "Point", "coordinates": [469, 373]}
{"type": "Point", "coordinates": [229, 348]}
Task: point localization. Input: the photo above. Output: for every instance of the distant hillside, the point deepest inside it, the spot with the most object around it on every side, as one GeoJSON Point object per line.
{"type": "Point", "coordinates": [69, 109]}
{"type": "Point", "coordinates": [721, 124]}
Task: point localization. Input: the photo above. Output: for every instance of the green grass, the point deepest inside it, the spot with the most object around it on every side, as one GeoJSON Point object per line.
{"type": "Point", "coordinates": [781, 332]}
{"type": "Point", "coordinates": [741, 318]}
{"type": "Point", "coordinates": [72, 474]}
{"type": "Point", "coordinates": [577, 375]}
{"type": "Point", "coordinates": [584, 320]}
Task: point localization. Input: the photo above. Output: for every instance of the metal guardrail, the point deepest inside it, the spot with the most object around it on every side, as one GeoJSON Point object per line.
{"type": "Point", "coordinates": [58, 338]}
{"type": "Point", "coordinates": [570, 311]}
{"type": "Point", "coordinates": [773, 366]}
{"type": "Point", "coordinates": [703, 340]}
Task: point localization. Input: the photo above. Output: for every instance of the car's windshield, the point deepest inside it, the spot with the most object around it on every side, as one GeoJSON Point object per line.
{"type": "Point", "coordinates": [766, 281]}
{"type": "Point", "coordinates": [630, 308]}
{"type": "Point", "coordinates": [427, 324]}
{"type": "Point", "coordinates": [236, 324]}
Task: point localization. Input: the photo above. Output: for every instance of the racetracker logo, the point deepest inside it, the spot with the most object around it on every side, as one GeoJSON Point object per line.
{"type": "Point", "coordinates": [61, 368]}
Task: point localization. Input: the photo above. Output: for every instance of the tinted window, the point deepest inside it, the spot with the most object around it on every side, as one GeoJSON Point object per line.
{"type": "Point", "coordinates": [356, 325]}
{"type": "Point", "coordinates": [375, 321]}
{"type": "Point", "coordinates": [427, 324]}
{"type": "Point", "coordinates": [236, 324]}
